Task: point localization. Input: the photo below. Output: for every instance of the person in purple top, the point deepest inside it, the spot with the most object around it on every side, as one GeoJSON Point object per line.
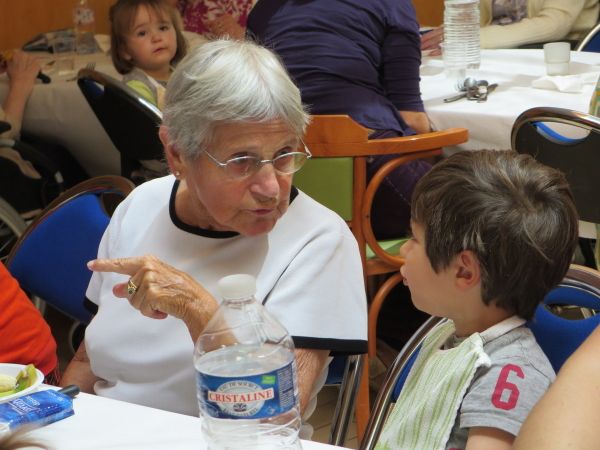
{"type": "Point", "coordinates": [361, 58]}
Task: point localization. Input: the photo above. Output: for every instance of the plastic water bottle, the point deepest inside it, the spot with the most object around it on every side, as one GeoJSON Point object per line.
{"type": "Point", "coordinates": [85, 26]}
{"type": "Point", "coordinates": [246, 374]}
{"type": "Point", "coordinates": [461, 37]}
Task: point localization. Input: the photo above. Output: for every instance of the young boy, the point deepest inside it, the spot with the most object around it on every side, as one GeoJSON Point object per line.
{"type": "Point", "coordinates": [493, 232]}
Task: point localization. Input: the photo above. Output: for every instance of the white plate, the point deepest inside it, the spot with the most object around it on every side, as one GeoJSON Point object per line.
{"type": "Point", "coordinates": [13, 370]}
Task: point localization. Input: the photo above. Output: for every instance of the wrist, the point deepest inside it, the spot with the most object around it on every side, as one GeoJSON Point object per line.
{"type": "Point", "coordinates": [197, 312]}
{"type": "Point", "coordinates": [21, 87]}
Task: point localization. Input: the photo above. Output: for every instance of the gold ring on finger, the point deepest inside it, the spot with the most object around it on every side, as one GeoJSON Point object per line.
{"type": "Point", "coordinates": [131, 287]}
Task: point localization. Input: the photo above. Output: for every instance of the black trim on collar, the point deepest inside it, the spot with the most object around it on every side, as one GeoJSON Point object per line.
{"type": "Point", "coordinates": [202, 231]}
{"type": "Point", "coordinates": [293, 193]}
{"type": "Point", "coordinates": [90, 306]}
{"type": "Point", "coordinates": [190, 228]}
{"type": "Point", "coordinates": [337, 347]}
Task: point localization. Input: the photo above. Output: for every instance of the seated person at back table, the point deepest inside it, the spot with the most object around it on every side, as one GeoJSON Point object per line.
{"type": "Point", "coordinates": [361, 58]}
{"type": "Point", "coordinates": [510, 23]}
{"type": "Point", "coordinates": [568, 414]}
{"type": "Point", "coordinates": [232, 140]}
{"type": "Point", "coordinates": [493, 232]}
{"type": "Point", "coordinates": [224, 18]}
{"type": "Point", "coordinates": [25, 337]}
{"type": "Point", "coordinates": [22, 70]}
{"type": "Point", "coordinates": [146, 43]}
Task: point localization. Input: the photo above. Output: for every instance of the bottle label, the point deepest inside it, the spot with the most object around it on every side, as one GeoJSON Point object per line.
{"type": "Point", "coordinates": [253, 397]}
{"type": "Point", "coordinates": [83, 16]}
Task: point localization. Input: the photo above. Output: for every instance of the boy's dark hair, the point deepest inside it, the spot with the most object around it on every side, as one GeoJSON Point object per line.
{"type": "Point", "coordinates": [122, 16]}
{"type": "Point", "coordinates": [515, 214]}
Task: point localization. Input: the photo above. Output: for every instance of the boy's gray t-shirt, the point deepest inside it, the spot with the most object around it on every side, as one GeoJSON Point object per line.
{"type": "Point", "coordinates": [501, 396]}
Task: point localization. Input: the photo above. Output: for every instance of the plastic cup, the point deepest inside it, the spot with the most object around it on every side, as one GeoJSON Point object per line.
{"type": "Point", "coordinates": [63, 48]}
{"type": "Point", "coordinates": [557, 56]}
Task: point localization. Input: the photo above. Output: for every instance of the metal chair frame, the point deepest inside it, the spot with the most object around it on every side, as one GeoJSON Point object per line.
{"type": "Point", "coordinates": [135, 135]}
{"type": "Point", "coordinates": [581, 47]}
{"type": "Point", "coordinates": [385, 396]}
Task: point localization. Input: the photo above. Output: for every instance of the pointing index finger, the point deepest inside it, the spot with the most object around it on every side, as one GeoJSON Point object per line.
{"type": "Point", "coordinates": [125, 266]}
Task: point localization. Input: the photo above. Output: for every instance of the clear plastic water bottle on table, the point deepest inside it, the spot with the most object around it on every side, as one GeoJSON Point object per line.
{"type": "Point", "coordinates": [246, 374]}
{"type": "Point", "coordinates": [85, 27]}
{"type": "Point", "coordinates": [461, 48]}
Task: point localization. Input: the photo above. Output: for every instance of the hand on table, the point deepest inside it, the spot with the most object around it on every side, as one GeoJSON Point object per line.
{"type": "Point", "coordinates": [430, 41]}
{"type": "Point", "coordinates": [160, 290]}
{"type": "Point", "coordinates": [22, 69]}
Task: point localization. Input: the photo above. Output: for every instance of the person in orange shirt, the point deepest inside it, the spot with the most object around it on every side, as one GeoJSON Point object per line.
{"type": "Point", "coordinates": [25, 337]}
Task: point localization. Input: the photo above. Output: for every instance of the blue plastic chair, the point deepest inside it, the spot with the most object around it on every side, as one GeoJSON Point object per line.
{"type": "Point", "coordinates": [591, 42]}
{"type": "Point", "coordinates": [557, 336]}
{"type": "Point", "coordinates": [560, 337]}
{"type": "Point", "coordinates": [49, 258]}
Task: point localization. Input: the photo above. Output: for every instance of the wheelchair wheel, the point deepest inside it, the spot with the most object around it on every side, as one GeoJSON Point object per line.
{"type": "Point", "coordinates": [11, 227]}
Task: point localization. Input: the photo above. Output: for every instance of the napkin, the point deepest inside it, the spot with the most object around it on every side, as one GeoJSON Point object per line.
{"type": "Point", "coordinates": [565, 83]}
{"type": "Point", "coordinates": [103, 41]}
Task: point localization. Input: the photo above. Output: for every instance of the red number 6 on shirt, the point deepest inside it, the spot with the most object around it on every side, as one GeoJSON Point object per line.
{"type": "Point", "coordinates": [504, 385]}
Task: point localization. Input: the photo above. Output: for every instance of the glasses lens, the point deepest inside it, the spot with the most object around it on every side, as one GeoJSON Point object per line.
{"type": "Point", "coordinates": [290, 162]}
{"type": "Point", "coordinates": [242, 166]}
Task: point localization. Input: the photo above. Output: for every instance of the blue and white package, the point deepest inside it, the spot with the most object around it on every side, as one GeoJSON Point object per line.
{"type": "Point", "coordinates": [37, 409]}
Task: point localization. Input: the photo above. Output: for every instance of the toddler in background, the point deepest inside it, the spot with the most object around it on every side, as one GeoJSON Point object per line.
{"type": "Point", "coordinates": [493, 233]}
{"type": "Point", "coordinates": [146, 43]}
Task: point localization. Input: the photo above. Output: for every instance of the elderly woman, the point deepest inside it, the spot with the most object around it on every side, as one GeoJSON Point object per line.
{"type": "Point", "coordinates": [231, 139]}
{"type": "Point", "coordinates": [512, 23]}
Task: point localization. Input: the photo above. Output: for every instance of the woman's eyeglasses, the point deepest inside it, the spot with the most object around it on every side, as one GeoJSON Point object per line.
{"type": "Point", "coordinates": [245, 166]}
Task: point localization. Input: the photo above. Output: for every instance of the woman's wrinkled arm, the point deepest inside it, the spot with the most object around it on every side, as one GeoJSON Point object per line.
{"type": "Point", "coordinates": [309, 365]}
{"type": "Point", "coordinates": [79, 372]}
{"type": "Point", "coordinates": [553, 22]}
{"type": "Point", "coordinates": [21, 70]}
{"type": "Point", "coordinates": [162, 291]}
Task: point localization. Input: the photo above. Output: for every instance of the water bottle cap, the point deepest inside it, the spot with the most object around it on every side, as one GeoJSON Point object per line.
{"type": "Point", "coordinates": [237, 286]}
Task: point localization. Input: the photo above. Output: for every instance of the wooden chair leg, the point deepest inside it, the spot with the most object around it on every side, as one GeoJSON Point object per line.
{"type": "Point", "coordinates": [375, 307]}
{"type": "Point", "coordinates": [363, 407]}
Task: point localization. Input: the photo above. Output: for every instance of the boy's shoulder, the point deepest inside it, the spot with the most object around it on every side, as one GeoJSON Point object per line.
{"type": "Point", "coordinates": [501, 395]}
{"type": "Point", "coordinates": [519, 347]}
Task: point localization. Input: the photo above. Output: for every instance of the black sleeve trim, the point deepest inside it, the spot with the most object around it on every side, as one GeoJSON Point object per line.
{"type": "Point", "coordinates": [90, 306]}
{"type": "Point", "coordinates": [338, 347]}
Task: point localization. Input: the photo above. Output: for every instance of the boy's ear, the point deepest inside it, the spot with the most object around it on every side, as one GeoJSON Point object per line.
{"type": "Point", "coordinates": [174, 158]}
{"type": "Point", "coordinates": [467, 270]}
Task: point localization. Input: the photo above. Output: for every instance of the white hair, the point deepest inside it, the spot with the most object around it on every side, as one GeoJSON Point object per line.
{"type": "Point", "coordinates": [226, 81]}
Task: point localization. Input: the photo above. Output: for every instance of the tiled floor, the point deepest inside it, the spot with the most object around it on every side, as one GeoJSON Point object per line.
{"type": "Point", "coordinates": [321, 418]}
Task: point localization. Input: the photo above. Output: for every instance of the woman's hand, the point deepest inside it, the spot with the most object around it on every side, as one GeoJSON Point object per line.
{"type": "Point", "coordinates": [22, 69]}
{"type": "Point", "coordinates": [430, 41]}
{"type": "Point", "coordinates": [159, 290]}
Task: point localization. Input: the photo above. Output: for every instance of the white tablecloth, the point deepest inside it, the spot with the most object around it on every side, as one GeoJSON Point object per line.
{"type": "Point", "coordinates": [59, 112]}
{"type": "Point", "coordinates": [490, 123]}
{"type": "Point", "coordinates": [102, 423]}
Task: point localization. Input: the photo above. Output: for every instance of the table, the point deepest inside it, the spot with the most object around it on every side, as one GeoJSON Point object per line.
{"type": "Point", "coordinates": [490, 123]}
{"type": "Point", "coordinates": [58, 111]}
{"type": "Point", "coordinates": [101, 423]}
